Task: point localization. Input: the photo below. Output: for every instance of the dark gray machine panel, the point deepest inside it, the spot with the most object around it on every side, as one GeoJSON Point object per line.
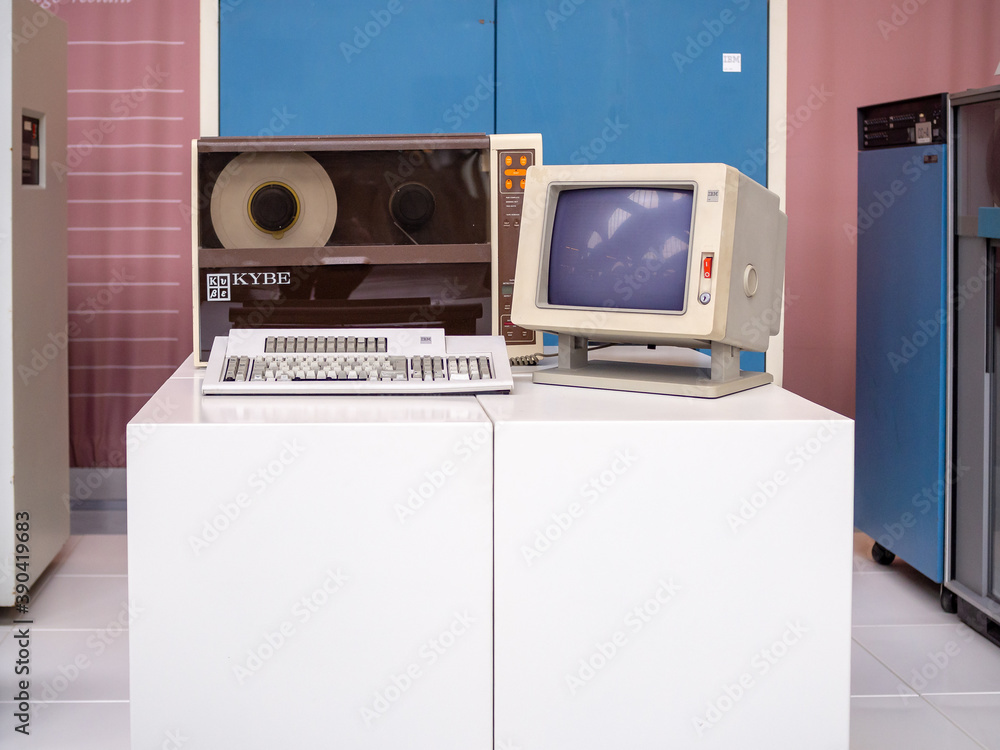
{"type": "Point", "coordinates": [975, 506]}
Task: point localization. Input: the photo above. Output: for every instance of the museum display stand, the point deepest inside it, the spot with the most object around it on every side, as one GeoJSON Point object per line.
{"type": "Point", "coordinates": [556, 568]}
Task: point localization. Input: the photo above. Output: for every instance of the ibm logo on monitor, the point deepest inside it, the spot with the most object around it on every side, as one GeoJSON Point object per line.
{"type": "Point", "coordinates": [218, 286]}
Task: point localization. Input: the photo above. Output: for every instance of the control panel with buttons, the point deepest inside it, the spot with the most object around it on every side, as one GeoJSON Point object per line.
{"type": "Point", "coordinates": [511, 179]}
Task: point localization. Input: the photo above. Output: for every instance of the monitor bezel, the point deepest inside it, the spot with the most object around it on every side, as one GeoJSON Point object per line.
{"type": "Point", "coordinates": [712, 232]}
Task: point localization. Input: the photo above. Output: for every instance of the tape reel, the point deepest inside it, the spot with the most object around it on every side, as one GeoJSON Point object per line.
{"type": "Point", "coordinates": [273, 199]}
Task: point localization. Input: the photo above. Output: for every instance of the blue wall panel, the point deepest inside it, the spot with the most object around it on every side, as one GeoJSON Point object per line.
{"type": "Point", "coordinates": [305, 67]}
{"type": "Point", "coordinates": [637, 81]}
{"type": "Point", "coordinates": [604, 81]}
{"type": "Point", "coordinates": [618, 81]}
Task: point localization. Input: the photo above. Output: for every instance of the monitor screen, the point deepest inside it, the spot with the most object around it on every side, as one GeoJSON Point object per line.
{"type": "Point", "coordinates": [621, 247]}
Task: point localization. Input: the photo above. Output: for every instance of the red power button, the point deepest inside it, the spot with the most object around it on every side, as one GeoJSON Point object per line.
{"type": "Point", "coordinates": [707, 267]}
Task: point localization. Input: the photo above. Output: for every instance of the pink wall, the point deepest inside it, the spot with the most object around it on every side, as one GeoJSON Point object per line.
{"type": "Point", "coordinates": [133, 110]}
{"type": "Point", "coordinates": [843, 54]}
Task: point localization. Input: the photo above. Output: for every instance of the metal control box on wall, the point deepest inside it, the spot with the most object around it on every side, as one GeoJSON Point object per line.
{"type": "Point", "coordinates": [902, 330]}
{"type": "Point", "coordinates": [370, 231]}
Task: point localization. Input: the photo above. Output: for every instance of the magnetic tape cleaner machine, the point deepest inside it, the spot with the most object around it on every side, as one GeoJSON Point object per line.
{"type": "Point", "coordinates": [347, 231]}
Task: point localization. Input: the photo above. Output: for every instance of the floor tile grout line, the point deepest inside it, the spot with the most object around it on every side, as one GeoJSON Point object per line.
{"type": "Point", "coordinates": [50, 703]}
{"type": "Point", "coordinates": [916, 693]}
{"type": "Point", "coordinates": [42, 629]}
{"type": "Point", "coordinates": [912, 625]}
{"type": "Point", "coordinates": [890, 696]}
{"type": "Point", "coordinates": [932, 707]}
{"type": "Point", "coordinates": [69, 548]}
{"type": "Point", "coordinates": [39, 586]}
{"type": "Point", "coordinates": [959, 694]}
{"type": "Point", "coordinates": [890, 670]}
{"type": "Point", "coordinates": [922, 697]}
{"type": "Point", "coordinates": [873, 572]}
{"type": "Point", "coordinates": [954, 723]}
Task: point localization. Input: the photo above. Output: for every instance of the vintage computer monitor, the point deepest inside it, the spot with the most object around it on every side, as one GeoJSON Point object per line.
{"type": "Point", "coordinates": [687, 255]}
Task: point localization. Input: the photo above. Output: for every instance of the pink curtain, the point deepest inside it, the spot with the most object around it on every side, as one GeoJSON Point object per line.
{"type": "Point", "coordinates": [133, 111]}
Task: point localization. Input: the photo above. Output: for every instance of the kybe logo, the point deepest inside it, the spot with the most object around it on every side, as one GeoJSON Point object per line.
{"type": "Point", "coordinates": [218, 285]}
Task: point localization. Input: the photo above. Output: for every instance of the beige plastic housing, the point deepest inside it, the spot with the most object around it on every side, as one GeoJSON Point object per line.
{"type": "Point", "coordinates": [735, 221]}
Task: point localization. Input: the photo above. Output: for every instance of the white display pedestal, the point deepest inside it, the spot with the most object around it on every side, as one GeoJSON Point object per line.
{"type": "Point", "coordinates": [637, 571]}
{"type": "Point", "coordinates": [671, 572]}
{"type": "Point", "coordinates": [310, 572]}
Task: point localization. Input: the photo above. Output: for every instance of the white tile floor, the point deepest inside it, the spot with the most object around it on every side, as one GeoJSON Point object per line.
{"type": "Point", "coordinates": [920, 680]}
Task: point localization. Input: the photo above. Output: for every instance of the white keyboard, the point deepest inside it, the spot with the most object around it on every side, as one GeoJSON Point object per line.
{"type": "Point", "coordinates": [356, 361]}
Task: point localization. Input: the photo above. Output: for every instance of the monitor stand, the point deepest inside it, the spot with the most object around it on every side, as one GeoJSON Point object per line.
{"type": "Point", "coordinates": [720, 379]}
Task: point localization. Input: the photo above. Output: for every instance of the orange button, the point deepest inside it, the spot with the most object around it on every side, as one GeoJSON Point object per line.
{"type": "Point", "coordinates": [508, 160]}
{"type": "Point", "coordinates": [509, 184]}
{"type": "Point", "coordinates": [524, 161]}
{"type": "Point", "coordinates": [515, 172]}
{"type": "Point", "coordinates": [707, 265]}
{"type": "Point", "coordinates": [522, 183]}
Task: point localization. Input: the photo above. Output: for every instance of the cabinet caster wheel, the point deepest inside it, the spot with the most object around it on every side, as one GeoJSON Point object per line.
{"type": "Point", "coordinates": [949, 601]}
{"type": "Point", "coordinates": [881, 555]}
